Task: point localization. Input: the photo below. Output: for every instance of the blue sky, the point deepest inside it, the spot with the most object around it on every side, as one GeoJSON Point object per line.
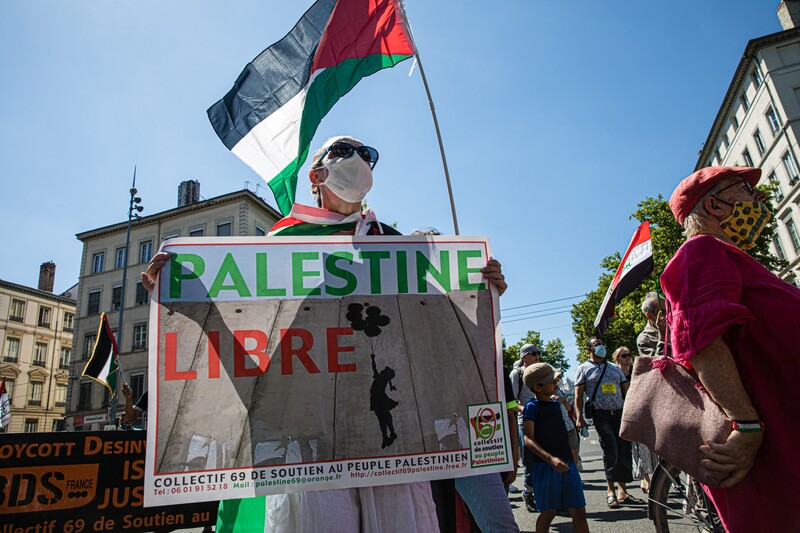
{"type": "Point", "coordinates": [557, 118]}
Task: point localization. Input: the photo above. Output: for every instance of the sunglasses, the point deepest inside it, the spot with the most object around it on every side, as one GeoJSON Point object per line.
{"type": "Point", "coordinates": [747, 186]}
{"type": "Point", "coordinates": [343, 150]}
{"type": "Point", "coordinates": [626, 355]}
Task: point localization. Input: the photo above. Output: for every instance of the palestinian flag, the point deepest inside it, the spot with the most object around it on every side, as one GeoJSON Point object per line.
{"type": "Point", "coordinates": [103, 365]}
{"type": "Point", "coordinates": [5, 405]}
{"type": "Point", "coordinates": [636, 265]}
{"type": "Point", "coordinates": [270, 116]}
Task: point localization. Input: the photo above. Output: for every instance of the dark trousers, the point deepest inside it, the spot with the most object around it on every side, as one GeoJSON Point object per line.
{"type": "Point", "coordinates": [616, 450]}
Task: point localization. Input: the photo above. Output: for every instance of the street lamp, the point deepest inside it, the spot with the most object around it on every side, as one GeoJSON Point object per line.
{"type": "Point", "coordinates": [133, 214]}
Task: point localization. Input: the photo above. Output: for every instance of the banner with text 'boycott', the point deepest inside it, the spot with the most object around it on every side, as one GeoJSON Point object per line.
{"type": "Point", "coordinates": [286, 364]}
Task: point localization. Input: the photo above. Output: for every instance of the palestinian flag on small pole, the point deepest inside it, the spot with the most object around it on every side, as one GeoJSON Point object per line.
{"type": "Point", "coordinates": [103, 365]}
{"type": "Point", "coordinates": [636, 265]}
{"type": "Point", "coordinates": [270, 116]}
{"type": "Point", "coordinates": [5, 405]}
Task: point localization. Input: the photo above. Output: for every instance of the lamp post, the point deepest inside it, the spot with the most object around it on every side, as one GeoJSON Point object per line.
{"type": "Point", "coordinates": [133, 214]}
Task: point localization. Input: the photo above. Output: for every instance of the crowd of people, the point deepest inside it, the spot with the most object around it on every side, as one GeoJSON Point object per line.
{"type": "Point", "coordinates": [722, 315]}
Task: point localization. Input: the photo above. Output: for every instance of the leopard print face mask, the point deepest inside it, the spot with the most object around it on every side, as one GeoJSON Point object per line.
{"type": "Point", "coordinates": [746, 222]}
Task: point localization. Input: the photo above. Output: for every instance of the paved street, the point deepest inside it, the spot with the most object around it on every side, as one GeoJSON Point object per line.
{"type": "Point", "coordinates": [601, 518]}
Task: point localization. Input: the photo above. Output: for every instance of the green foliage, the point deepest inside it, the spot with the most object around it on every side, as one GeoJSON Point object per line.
{"type": "Point", "coordinates": [667, 236]}
{"type": "Point", "coordinates": [552, 351]}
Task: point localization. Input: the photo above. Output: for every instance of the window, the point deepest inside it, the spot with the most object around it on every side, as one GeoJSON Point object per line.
{"type": "Point", "coordinates": [196, 232]}
{"type": "Point", "coordinates": [88, 345]}
{"type": "Point", "coordinates": [35, 393]}
{"type": "Point", "coordinates": [93, 305]}
{"type": "Point", "coordinates": [778, 192]}
{"type": "Point", "coordinates": [142, 296]}
{"type": "Point", "coordinates": [145, 251]}
{"type": "Point", "coordinates": [747, 159]}
{"type": "Point", "coordinates": [17, 311]}
{"type": "Point", "coordinates": [745, 102]}
{"type": "Point", "coordinates": [140, 336]}
{"type": "Point", "coordinates": [725, 141]}
{"type": "Point", "coordinates": [776, 242]}
{"type": "Point", "coordinates": [717, 156]}
{"type": "Point", "coordinates": [791, 168]}
{"type": "Point", "coordinates": [69, 322]}
{"type": "Point", "coordinates": [85, 396]}
{"type": "Point", "coordinates": [224, 229]}
{"type": "Point", "coordinates": [44, 316]}
{"type": "Point", "coordinates": [137, 386]}
{"type": "Point", "coordinates": [97, 262]}
{"type": "Point", "coordinates": [31, 425]}
{"type": "Point", "coordinates": [61, 395]}
{"type": "Point", "coordinates": [116, 297]}
{"type": "Point", "coordinates": [120, 262]}
{"type": "Point", "coordinates": [735, 122]}
{"type": "Point", "coordinates": [772, 118]}
{"type": "Point", "coordinates": [40, 354]}
{"type": "Point", "coordinates": [793, 234]}
{"type": "Point", "coordinates": [65, 358]}
{"type": "Point", "coordinates": [759, 142]}
{"type": "Point", "coordinates": [171, 235]}
{"type": "Point", "coordinates": [106, 397]}
{"type": "Point", "coordinates": [12, 350]}
{"type": "Point", "coordinates": [10, 389]}
{"type": "Point", "coordinates": [260, 231]}
{"type": "Point", "coordinates": [756, 76]}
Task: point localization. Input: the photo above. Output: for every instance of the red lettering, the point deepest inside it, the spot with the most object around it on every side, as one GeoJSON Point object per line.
{"type": "Point", "coordinates": [239, 351]}
{"type": "Point", "coordinates": [334, 350]}
{"type": "Point", "coordinates": [171, 360]}
{"type": "Point", "coordinates": [213, 354]}
{"type": "Point", "coordinates": [287, 350]}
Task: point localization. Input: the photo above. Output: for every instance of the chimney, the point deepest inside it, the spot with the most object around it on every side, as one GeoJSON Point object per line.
{"type": "Point", "coordinates": [188, 192]}
{"type": "Point", "coordinates": [789, 14]}
{"type": "Point", "coordinates": [47, 276]}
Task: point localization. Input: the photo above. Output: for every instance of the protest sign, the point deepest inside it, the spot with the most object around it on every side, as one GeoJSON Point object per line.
{"type": "Point", "coordinates": [84, 481]}
{"type": "Point", "coordinates": [285, 364]}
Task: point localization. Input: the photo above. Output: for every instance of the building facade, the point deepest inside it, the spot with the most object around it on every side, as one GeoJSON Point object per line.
{"type": "Point", "coordinates": [758, 125]}
{"type": "Point", "coordinates": [36, 332]}
{"type": "Point", "coordinates": [100, 287]}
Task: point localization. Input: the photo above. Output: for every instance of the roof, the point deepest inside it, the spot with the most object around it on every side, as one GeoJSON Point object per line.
{"type": "Point", "coordinates": [36, 292]}
{"type": "Point", "coordinates": [178, 211]}
{"type": "Point", "coordinates": [739, 77]}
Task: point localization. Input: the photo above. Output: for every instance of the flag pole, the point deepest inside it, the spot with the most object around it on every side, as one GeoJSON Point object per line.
{"type": "Point", "coordinates": [407, 25]}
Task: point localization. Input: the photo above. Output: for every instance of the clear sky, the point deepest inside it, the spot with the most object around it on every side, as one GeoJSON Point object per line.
{"type": "Point", "coordinates": [557, 118]}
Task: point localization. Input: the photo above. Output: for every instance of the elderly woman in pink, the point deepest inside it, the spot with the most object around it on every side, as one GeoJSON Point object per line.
{"type": "Point", "coordinates": [730, 319]}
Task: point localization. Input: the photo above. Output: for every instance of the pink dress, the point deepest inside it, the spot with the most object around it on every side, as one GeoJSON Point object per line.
{"type": "Point", "coordinates": [716, 289]}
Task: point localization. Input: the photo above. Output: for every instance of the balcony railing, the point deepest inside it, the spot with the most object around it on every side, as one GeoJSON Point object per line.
{"type": "Point", "coordinates": [10, 359]}
{"type": "Point", "coordinates": [66, 329]}
{"type": "Point", "coordinates": [61, 404]}
{"type": "Point", "coordinates": [16, 319]}
{"type": "Point", "coordinates": [83, 407]}
{"type": "Point", "coordinates": [39, 363]}
{"type": "Point", "coordinates": [43, 324]}
{"type": "Point", "coordinates": [63, 366]}
{"type": "Point", "coordinates": [34, 402]}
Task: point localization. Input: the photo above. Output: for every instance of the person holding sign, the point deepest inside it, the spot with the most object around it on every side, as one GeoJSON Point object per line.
{"type": "Point", "coordinates": [340, 176]}
{"type": "Point", "coordinates": [605, 386]}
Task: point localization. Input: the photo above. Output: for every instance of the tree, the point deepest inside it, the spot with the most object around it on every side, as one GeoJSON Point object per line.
{"type": "Point", "coordinates": [552, 351]}
{"type": "Point", "coordinates": [667, 237]}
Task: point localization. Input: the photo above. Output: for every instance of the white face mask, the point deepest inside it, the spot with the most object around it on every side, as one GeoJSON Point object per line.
{"type": "Point", "coordinates": [349, 179]}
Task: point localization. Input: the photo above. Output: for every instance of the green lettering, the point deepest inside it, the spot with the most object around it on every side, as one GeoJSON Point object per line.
{"type": "Point", "coordinates": [177, 275]}
{"type": "Point", "coordinates": [464, 271]}
{"type": "Point", "coordinates": [402, 272]}
{"type": "Point", "coordinates": [442, 276]}
{"type": "Point", "coordinates": [229, 268]}
{"type": "Point", "coordinates": [262, 288]}
{"type": "Point", "coordinates": [374, 259]}
{"type": "Point", "coordinates": [298, 274]}
{"type": "Point", "coordinates": [348, 277]}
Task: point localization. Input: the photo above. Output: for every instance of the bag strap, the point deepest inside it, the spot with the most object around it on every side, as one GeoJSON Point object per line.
{"type": "Point", "coordinates": [599, 381]}
{"type": "Point", "coordinates": [519, 382]}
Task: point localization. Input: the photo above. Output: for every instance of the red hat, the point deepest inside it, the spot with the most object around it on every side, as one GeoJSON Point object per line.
{"type": "Point", "coordinates": [692, 189]}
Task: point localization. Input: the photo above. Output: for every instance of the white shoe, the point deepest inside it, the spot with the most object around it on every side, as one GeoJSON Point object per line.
{"type": "Point", "coordinates": [513, 488]}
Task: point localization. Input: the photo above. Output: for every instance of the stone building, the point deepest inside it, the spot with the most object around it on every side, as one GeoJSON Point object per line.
{"type": "Point", "coordinates": [239, 213]}
{"type": "Point", "coordinates": [36, 334]}
{"type": "Point", "coordinates": [758, 125]}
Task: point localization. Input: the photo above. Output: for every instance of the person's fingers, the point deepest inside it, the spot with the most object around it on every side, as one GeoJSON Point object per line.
{"type": "Point", "coordinates": [719, 467]}
{"type": "Point", "coordinates": [717, 456]}
{"type": "Point", "coordinates": [147, 283]}
{"type": "Point", "coordinates": [734, 478]}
